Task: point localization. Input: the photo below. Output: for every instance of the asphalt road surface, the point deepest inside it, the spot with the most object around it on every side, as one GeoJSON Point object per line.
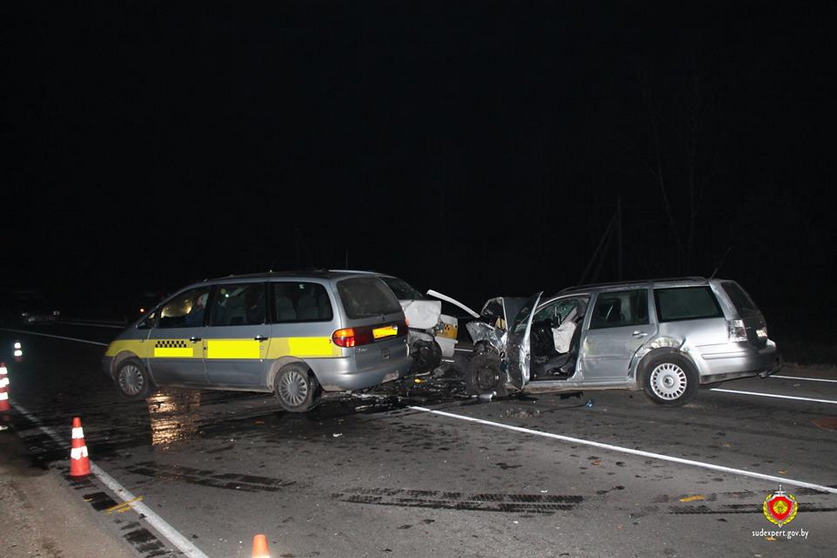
{"type": "Point", "coordinates": [421, 470]}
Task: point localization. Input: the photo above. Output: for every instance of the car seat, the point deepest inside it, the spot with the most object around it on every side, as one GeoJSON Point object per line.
{"type": "Point", "coordinates": [307, 306]}
{"type": "Point", "coordinates": [284, 309]}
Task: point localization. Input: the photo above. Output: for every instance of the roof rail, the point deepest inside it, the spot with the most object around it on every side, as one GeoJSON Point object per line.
{"type": "Point", "coordinates": [632, 281]}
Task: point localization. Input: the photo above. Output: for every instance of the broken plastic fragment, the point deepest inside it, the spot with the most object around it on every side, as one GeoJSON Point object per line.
{"type": "Point", "coordinates": [692, 498]}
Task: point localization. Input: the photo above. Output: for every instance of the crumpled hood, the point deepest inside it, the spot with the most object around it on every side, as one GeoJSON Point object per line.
{"type": "Point", "coordinates": [422, 314]}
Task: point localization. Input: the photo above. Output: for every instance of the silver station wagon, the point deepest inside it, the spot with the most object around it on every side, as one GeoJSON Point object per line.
{"type": "Point", "coordinates": [299, 335]}
{"type": "Point", "coordinates": [665, 337]}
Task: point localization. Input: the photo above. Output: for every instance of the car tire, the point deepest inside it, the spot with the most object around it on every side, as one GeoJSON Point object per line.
{"type": "Point", "coordinates": [296, 388]}
{"type": "Point", "coordinates": [484, 375]}
{"type": "Point", "coordinates": [132, 379]}
{"type": "Point", "coordinates": [670, 380]}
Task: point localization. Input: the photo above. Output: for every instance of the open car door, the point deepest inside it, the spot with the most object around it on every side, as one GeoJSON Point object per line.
{"type": "Point", "coordinates": [518, 344]}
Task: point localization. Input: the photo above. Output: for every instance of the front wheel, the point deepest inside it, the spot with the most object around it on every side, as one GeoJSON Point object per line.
{"type": "Point", "coordinates": [296, 388]}
{"type": "Point", "coordinates": [132, 379]}
{"type": "Point", "coordinates": [485, 375]}
{"type": "Point", "coordinates": [670, 380]}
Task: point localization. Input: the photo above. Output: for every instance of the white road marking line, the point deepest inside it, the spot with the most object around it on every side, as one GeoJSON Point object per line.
{"type": "Point", "coordinates": [91, 324]}
{"type": "Point", "coordinates": [183, 544]}
{"type": "Point", "coordinates": [660, 456]}
{"type": "Point", "coordinates": [794, 397]}
{"type": "Point", "coordinates": [56, 337]}
{"type": "Point", "coordinates": [806, 379]}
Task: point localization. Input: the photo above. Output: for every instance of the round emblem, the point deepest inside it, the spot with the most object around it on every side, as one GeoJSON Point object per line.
{"type": "Point", "coordinates": [780, 507]}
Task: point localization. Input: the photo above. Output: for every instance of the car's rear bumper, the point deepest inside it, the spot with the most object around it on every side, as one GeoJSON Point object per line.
{"type": "Point", "coordinates": [341, 374]}
{"type": "Point", "coordinates": [742, 363]}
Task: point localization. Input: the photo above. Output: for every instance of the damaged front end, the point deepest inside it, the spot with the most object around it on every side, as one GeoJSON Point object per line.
{"type": "Point", "coordinates": [486, 338]}
{"type": "Point", "coordinates": [423, 317]}
{"type": "Point", "coordinates": [489, 332]}
{"type": "Point", "coordinates": [433, 335]}
{"type": "Point", "coordinates": [501, 359]}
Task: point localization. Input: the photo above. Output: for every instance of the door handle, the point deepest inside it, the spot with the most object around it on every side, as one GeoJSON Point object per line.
{"type": "Point", "coordinates": [194, 339]}
{"type": "Point", "coordinates": [260, 338]}
{"type": "Point", "coordinates": [639, 334]}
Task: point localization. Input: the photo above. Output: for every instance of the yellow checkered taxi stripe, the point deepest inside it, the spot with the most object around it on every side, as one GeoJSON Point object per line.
{"type": "Point", "coordinates": [276, 347]}
{"type": "Point", "coordinates": [174, 348]}
{"type": "Point", "coordinates": [449, 331]}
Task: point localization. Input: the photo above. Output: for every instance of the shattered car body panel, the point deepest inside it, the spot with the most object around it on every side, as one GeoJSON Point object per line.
{"type": "Point", "coordinates": [484, 334]}
{"type": "Point", "coordinates": [427, 322]}
{"type": "Point", "coordinates": [488, 333]}
{"type": "Point", "coordinates": [447, 333]}
{"type": "Point", "coordinates": [422, 314]}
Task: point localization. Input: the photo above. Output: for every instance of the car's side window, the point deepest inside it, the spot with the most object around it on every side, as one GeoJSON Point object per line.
{"type": "Point", "coordinates": [557, 311]}
{"type": "Point", "coordinates": [300, 302]}
{"type": "Point", "coordinates": [686, 303]}
{"type": "Point", "coordinates": [239, 304]}
{"type": "Point", "coordinates": [187, 309]}
{"type": "Point", "coordinates": [622, 308]}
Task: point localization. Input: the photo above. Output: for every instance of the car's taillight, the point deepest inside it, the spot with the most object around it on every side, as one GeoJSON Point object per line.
{"type": "Point", "coordinates": [737, 331]}
{"type": "Point", "coordinates": [356, 336]}
{"type": "Point", "coordinates": [344, 337]}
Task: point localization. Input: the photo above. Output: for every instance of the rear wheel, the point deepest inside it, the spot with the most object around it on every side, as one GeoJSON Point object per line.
{"type": "Point", "coordinates": [132, 379]}
{"type": "Point", "coordinates": [296, 388]}
{"type": "Point", "coordinates": [670, 380]}
{"type": "Point", "coordinates": [484, 375]}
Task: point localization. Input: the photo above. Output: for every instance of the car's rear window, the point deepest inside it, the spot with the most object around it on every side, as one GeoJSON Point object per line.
{"type": "Point", "coordinates": [402, 289]}
{"type": "Point", "coordinates": [740, 299]}
{"type": "Point", "coordinates": [686, 303]}
{"type": "Point", "coordinates": [367, 296]}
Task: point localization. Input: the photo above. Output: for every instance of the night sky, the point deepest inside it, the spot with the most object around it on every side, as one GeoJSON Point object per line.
{"type": "Point", "coordinates": [474, 148]}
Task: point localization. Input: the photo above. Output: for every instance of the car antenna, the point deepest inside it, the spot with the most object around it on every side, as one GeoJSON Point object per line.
{"type": "Point", "coordinates": [720, 263]}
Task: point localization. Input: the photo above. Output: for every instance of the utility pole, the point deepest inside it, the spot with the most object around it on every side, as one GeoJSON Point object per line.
{"type": "Point", "coordinates": [619, 236]}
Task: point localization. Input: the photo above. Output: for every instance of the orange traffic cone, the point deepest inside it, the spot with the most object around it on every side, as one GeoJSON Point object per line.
{"type": "Point", "coordinates": [4, 388]}
{"type": "Point", "coordinates": [260, 547]}
{"type": "Point", "coordinates": [79, 463]}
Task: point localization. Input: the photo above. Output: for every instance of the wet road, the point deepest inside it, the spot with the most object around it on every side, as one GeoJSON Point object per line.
{"type": "Point", "coordinates": [424, 471]}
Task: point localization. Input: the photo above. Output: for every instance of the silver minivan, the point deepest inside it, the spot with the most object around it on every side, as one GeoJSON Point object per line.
{"type": "Point", "coordinates": [664, 337]}
{"type": "Point", "coordinates": [299, 335]}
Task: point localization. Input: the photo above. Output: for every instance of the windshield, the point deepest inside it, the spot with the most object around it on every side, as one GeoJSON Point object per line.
{"type": "Point", "coordinates": [521, 320]}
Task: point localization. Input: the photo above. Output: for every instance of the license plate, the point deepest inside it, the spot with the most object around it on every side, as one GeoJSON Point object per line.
{"type": "Point", "coordinates": [386, 331]}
